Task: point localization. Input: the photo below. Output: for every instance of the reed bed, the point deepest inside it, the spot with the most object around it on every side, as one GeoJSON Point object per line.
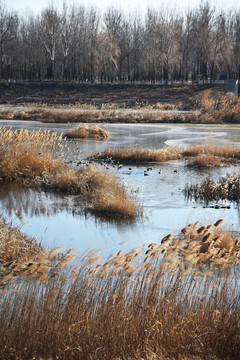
{"type": "Point", "coordinates": [226, 188]}
{"type": "Point", "coordinates": [228, 151]}
{"type": "Point", "coordinates": [139, 155]}
{"type": "Point", "coordinates": [111, 115]}
{"type": "Point", "coordinates": [212, 155]}
{"type": "Point", "coordinates": [14, 246]}
{"type": "Point", "coordinates": [198, 156]}
{"type": "Point", "coordinates": [88, 132]}
{"type": "Point", "coordinates": [176, 299]}
{"type": "Point", "coordinates": [21, 256]}
{"type": "Point", "coordinates": [223, 109]}
{"type": "Point", "coordinates": [36, 159]}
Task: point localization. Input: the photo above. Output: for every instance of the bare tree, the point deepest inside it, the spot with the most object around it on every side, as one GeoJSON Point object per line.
{"type": "Point", "coordinates": [80, 44]}
{"type": "Point", "coordinates": [49, 25]}
{"type": "Point", "coordinates": [137, 50]}
{"type": "Point", "coordinates": [8, 32]}
{"type": "Point", "coordinates": [236, 44]}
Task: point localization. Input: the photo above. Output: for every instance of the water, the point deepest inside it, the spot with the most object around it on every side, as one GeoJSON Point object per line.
{"type": "Point", "coordinates": [56, 221]}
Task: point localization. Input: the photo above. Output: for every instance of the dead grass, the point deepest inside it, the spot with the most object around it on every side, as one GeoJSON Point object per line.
{"type": "Point", "coordinates": [177, 299]}
{"type": "Point", "coordinates": [87, 132]}
{"type": "Point", "coordinates": [29, 158]}
{"type": "Point", "coordinates": [212, 155]}
{"type": "Point", "coordinates": [229, 151]}
{"type": "Point", "coordinates": [199, 156]}
{"type": "Point", "coordinates": [139, 155]}
{"type": "Point", "coordinates": [203, 160]}
{"type": "Point", "coordinates": [111, 115]}
{"type": "Point", "coordinates": [112, 96]}
{"type": "Point", "coordinates": [226, 188]}
{"type": "Point", "coordinates": [21, 256]}
{"type": "Point", "coordinates": [14, 245]}
{"type": "Point", "coordinates": [220, 109]}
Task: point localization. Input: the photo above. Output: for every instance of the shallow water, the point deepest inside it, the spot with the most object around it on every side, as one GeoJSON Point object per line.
{"type": "Point", "coordinates": [56, 221]}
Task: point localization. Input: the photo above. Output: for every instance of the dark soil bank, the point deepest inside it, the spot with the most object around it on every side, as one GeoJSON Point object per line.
{"type": "Point", "coordinates": [180, 96]}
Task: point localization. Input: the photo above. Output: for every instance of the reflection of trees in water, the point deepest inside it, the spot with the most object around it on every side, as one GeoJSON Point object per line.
{"type": "Point", "coordinates": [14, 199]}
{"type": "Point", "coordinates": [237, 207]}
{"type": "Point", "coordinates": [25, 201]}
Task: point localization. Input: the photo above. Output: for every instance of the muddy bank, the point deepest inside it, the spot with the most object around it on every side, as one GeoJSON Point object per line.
{"type": "Point", "coordinates": [170, 96]}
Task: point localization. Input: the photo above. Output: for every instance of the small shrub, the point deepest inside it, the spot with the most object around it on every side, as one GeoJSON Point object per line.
{"type": "Point", "coordinates": [88, 132]}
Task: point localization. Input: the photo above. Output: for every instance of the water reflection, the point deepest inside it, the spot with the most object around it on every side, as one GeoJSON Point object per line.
{"type": "Point", "coordinates": [19, 201]}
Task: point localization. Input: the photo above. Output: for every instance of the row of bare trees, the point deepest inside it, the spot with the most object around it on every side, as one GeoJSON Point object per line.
{"type": "Point", "coordinates": [82, 44]}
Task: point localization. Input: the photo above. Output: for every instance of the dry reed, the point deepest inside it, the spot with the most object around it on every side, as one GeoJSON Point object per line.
{"type": "Point", "coordinates": [138, 155]}
{"type": "Point", "coordinates": [87, 132]}
{"type": "Point", "coordinates": [223, 109]}
{"type": "Point", "coordinates": [111, 115]}
{"type": "Point", "coordinates": [30, 159]}
{"type": "Point", "coordinates": [23, 256]}
{"type": "Point", "coordinates": [226, 188]}
{"type": "Point", "coordinates": [199, 156]}
{"type": "Point", "coordinates": [178, 304]}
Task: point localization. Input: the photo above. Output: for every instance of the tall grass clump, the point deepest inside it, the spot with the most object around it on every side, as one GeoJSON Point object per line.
{"type": "Point", "coordinates": [21, 256]}
{"type": "Point", "coordinates": [226, 188]}
{"type": "Point", "coordinates": [30, 158]}
{"type": "Point", "coordinates": [176, 299]}
{"type": "Point", "coordinates": [87, 132]}
{"type": "Point", "coordinates": [90, 115]}
{"type": "Point", "coordinates": [211, 155]}
{"type": "Point", "coordinates": [25, 155]}
{"type": "Point", "coordinates": [139, 155]}
{"type": "Point", "coordinates": [197, 155]}
{"type": "Point", "coordinates": [14, 247]}
{"type": "Point", "coordinates": [214, 109]}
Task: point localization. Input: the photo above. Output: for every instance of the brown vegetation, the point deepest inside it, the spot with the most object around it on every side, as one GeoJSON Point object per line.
{"type": "Point", "coordinates": [226, 188]}
{"type": "Point", "coordinates": [30, 159]}
{"type": "Point", "coordinates": [87, 132]}
{"type": "Point", "coordinates": [221, 109]}
{"type": "Point", "coordinates": [22, 256]}
{"type": "Point", "coordinates": [138, 155]}
{"type": "Point", "coordinates": [15, 246]}
{"type": "Point", "coordinates": [63, 115]}
{"type": "Point", "coordinates": [119, 103]}
{"type": "Point", "coordinates": [212, 155]}
{"type": "Point", "coordinates": [199, 156]}
{"type": "Point", "coordinates": [177, 299]}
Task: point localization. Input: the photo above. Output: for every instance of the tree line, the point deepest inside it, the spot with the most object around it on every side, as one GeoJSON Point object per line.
{"type": "Point", "coordinates": [81, 44]}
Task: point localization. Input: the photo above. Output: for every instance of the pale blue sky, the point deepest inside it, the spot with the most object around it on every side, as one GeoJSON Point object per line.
{"type": "Point", "coordinates": [126, 5]}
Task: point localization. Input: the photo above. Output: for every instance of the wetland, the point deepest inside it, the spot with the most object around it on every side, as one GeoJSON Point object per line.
{"type": "Point", "coordinates": [157, 188]}
{"type": "Point", "coordinates": [119, 257]}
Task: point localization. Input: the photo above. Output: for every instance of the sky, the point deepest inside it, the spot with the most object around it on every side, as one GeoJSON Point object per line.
{"type": "Point", "coordinates": [35, 6]}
